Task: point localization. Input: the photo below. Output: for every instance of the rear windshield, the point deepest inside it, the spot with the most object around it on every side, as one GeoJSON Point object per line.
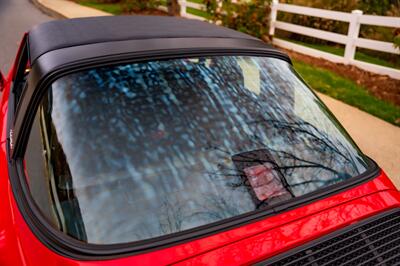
{"type": "Point", "coordinates": [131, 152]}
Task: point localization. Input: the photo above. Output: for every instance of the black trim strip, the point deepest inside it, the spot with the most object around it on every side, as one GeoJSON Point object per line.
{"type": "Point", "coordinates": [42, 74]}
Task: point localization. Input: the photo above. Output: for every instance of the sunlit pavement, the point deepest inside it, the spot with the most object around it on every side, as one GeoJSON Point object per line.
{"type": "Point", "coordinates": [16, 18]}
{"type": "Point", "coordinates": [69, 9]}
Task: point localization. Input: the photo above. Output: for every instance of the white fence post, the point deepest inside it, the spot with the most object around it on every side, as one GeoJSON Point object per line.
{"type": "Point", "coordinates": [182, 4]}
{"type": "Point", "coordinates": [273, 15]}
{"type": "Point", "coordinates": [354, 30]}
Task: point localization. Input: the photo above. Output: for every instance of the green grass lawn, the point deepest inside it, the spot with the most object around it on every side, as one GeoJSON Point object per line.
{"type": "Point", "coordinates": [339, 50]}
{"type": "Point", "coordinates": [197, 12]}
{"type": "Point", "coordinates": [347, 91]}
{"type": "Point", "coordinates": [115, 9]}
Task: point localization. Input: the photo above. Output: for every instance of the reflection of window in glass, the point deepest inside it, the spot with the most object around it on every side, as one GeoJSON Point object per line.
{"type": "Point", "coordinates": [251, 75]}
{"type": "Point", "coordinates": [131, 152]}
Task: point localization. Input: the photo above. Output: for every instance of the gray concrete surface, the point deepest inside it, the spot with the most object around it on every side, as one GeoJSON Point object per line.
{"type": "Point", "coordinates": [16, 17]}
{"type": "Point", "coordinates": [68, 9]}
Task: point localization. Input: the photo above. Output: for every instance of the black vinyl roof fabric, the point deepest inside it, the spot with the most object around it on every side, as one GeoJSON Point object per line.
{"type": "Point", "coordinates": [59, 34]}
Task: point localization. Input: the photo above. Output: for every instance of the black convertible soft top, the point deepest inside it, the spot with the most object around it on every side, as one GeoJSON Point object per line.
{"type": "Point", "coordinates": [59, 34]}
{"type": "Point", "coordinates": [64, 46]}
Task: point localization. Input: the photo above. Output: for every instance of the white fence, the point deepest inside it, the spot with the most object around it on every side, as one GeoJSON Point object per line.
{"type": "Point", "coordinates": [184, 5]}
{"type": "Point", "coordinates": [351, 41]}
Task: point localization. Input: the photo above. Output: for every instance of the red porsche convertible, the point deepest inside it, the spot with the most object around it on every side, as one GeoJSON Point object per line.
{"type": "Point", "coordinates": [157, 140]}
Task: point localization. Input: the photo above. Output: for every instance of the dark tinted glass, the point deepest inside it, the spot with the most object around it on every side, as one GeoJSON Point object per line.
{"type": "Point", "coordinates": [136, 151]}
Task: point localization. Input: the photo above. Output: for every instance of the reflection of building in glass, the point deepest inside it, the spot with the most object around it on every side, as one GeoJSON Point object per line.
{"type": "Point", "coordinates": [149, 145]}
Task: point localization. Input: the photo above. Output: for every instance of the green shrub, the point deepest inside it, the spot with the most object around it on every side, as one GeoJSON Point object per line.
{"type": "Point", "coordinates": [396, 38]}
{"type": "Point", "coordinates": [140, 5]}
{"type": "Point", "coordinates": [173, 7]}
{"type": "Point", "coordinates": [108, 1]}
{"type": "Point", "coordinates": [248, 16]}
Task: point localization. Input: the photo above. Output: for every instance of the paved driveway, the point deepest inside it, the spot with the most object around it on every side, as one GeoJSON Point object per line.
{"type": "Point", "coordinates": [16, 17]}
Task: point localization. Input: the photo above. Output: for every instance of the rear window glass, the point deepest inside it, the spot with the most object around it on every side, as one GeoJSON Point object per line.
{"type": "Point", "coordinates": [131, 152]}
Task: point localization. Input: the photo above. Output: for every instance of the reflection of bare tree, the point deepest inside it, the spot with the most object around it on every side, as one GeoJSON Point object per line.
{"type": "Point", "coordinates": [172, 216]}
{"type": "Point", "coordinates": [336, 156]}
{"type": "Point", "coordinates": [327, 155]}
{"type": "Point", "coordinates": [317, 139]}
{"type": "Point", "coordinates": [217, 208]}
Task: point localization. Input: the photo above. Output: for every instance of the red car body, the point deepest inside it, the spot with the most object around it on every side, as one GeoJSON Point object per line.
{"type": "Point", "coordinates": [243, 245]}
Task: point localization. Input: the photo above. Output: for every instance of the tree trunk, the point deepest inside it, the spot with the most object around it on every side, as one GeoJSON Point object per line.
{"type": "Point", "coordinates": [173, 7]}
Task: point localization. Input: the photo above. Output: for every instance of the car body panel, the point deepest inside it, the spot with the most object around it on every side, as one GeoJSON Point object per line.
{"type": "Point", "coordinates": [249, 243]}
{"type": "Point", "coordinates": [298, 232]}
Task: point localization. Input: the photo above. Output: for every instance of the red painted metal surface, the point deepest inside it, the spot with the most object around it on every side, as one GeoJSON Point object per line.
{"type": "Point", "coordinates": [243, 245]}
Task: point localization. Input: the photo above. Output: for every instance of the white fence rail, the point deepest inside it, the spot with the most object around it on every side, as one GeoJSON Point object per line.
{"type": "Point", "coordinates": [184, 12]}
{"type": "Point", "coordinates": [351, 40]}
{"type": "Point", "coordinates": [184, 5]}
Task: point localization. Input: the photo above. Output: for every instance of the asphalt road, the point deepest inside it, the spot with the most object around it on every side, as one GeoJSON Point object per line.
{"type": "Point", "coordinates": [16, 17]}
